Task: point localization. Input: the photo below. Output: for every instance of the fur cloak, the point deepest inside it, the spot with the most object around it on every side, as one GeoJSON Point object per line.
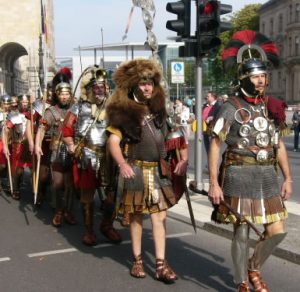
{"type": "Point", "coordinates": [126, 114]}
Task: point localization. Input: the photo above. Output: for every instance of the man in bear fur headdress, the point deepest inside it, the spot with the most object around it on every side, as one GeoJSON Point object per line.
{"type": "Point", "coordinates": [137, 127]}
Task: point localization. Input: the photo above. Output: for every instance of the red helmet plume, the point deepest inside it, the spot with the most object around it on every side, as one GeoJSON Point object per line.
{"type": "Point", "coordinates": [249, 37]}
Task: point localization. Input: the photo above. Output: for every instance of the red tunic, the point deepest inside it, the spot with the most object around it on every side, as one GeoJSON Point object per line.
{"type": "Point", "coordinates": [83, 178]}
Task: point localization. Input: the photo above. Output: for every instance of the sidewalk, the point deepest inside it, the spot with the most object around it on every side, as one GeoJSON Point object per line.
{"type": "Point", "coordinates": [289, 249]}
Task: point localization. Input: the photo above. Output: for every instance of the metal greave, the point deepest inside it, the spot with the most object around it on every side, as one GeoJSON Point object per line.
{"type": "Point", "coordinates": [240, 253]}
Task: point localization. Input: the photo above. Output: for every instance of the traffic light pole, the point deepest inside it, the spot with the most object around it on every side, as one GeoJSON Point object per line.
{"type": "Point", "coordinates": [199, 133]}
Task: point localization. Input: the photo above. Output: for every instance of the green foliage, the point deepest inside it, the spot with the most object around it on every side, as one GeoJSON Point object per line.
{"type": "Point", "coordinates": [246, 18]}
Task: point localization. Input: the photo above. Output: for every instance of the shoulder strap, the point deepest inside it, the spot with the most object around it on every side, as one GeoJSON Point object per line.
{"type": "Point", "coordinates": [237, 104]}
{"type": "Point", "coordinates": [152, 133]}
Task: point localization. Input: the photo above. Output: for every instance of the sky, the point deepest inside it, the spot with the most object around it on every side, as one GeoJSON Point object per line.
{"type": "Point", "coordinates": [79, 22]}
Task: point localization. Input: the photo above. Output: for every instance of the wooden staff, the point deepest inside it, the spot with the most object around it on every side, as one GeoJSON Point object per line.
{"type": "Point", "coordinates": [32, 134]}
{"type": "Point", "coordinates": [9, 174]}
{"type": "Point", "coordinates": [36, 185]}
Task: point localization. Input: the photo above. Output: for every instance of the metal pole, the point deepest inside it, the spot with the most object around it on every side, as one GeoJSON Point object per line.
{"type": "Point", "coordinates": [199, 134]}
{"type": "Point", "coordinates": [177, 91]}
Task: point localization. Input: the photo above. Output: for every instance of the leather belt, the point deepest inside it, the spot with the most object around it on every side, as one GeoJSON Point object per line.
{"type": "Point", "coordinates": [145, 163]}
{"type": "Point", "coordinates": [236, 159]}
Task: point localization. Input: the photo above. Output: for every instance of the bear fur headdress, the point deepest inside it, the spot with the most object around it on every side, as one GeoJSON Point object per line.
{"type": "Point", "coordinates": [125, 113]}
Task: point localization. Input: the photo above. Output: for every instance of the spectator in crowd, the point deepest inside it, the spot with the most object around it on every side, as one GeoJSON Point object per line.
{"type": "Point", "coordinates": [209, 111]}
{"type": "Point", "coordinates": [296, 127]}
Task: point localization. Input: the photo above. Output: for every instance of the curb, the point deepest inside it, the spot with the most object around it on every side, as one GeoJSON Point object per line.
{"type": "Point", "coordinates": [217, 229]}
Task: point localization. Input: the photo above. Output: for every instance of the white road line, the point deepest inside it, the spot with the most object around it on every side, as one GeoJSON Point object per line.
{"type": "Point", "coordinates": [129, 241]}
{"type": "Point", "coordinates": [110, 244]}
{"type": "Point", "coordinates": [179, 235]}
{"type": "Point", "coordinates": [52, 252]}
{"type": "Point", "coordinates": [4, 259]}
{"type": "Point", "coordinates": [59, 251]}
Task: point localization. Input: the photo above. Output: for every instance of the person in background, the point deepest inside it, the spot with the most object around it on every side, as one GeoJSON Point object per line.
{"type": "Point", "coordinates": [296, 127]}
{"type": "Point", "coordinates": [209, 111]}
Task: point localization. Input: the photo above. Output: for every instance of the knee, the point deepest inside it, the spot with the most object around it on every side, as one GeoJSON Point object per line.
{"type": "Point", "coordinates": [159, 218]}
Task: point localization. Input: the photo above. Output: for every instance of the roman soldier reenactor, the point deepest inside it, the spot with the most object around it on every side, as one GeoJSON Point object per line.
{"type": "Point", "coordinates": [138, 129]}
{"type": "Point", "coordinates": [4, 109]}
{"type": "Point", "coordinates": [84, 133]}
{"type": "Point", "coordinates": [15, 145]}
{"type": "Point", "coordinates": [251, 123]}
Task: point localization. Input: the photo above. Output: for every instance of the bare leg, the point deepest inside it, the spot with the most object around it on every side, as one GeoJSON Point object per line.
{"type": "Point", "coordinates": [136, 231]}
{"type": "Point", "coordinates": [164, 272]}
{"type": "Point", "coordinates": [159, 233]}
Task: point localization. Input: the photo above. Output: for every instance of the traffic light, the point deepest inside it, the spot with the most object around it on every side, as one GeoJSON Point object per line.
{"type": "Point", "coordinates": [209, 24]}
{"type": "Point", "coordinates": [183, 23]}
{"type": "Point", "coordinates": [223, 25]}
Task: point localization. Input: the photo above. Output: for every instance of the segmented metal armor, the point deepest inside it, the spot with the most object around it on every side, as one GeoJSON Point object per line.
{"type": "Point", "coordinates": [54, 117]}
{"type": "Point", "coordinates": [18, 120]}
{"type": "Point", "coordinates": [90, 134]}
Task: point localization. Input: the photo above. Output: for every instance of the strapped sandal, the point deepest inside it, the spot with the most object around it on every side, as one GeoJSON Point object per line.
{"type": "Point", "coordinates": [57, 219]}
{"type": "Point", "coordinates": [137, 269]}
{"type": "Point", "coordinates": [257, 282]}
{"type": "Point", "coordinates": [164, 272]}
{"type": "Point", "coordinates": [243, 287]}
{"type": "Point", "coordinates": [125, 222]}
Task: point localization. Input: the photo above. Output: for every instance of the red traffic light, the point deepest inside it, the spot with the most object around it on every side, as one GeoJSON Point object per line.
{"type": "Point", "coordinates": [209, 7]}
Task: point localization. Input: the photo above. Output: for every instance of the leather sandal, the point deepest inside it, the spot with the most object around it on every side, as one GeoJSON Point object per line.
{"type": "Point", "coordinates": [69, 218]}
{"type": "Point", "coordinates": [57, 219]}
{"type": "Point", "coordinates": [164, 272]}
{"type": "Point", "coordinates": [125, 222]}
{"type": "Point", "coordinates": [137, 269]}
{"type": "Point", "coordinates": [16, 195]}
{"type": "Point", "coordinates": [108, 230]}
{"type": "Point", "coordinates": [89, 238]}
{"type": "Point", "coordinates": [243, 287]}
{"type": "Point", "coordinates": [257, 282]}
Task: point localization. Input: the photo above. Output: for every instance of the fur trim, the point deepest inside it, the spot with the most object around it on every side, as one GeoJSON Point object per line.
{"type": "Point", "coordinates": [129, 74]}
{"type": "Point", "coordinates": [126, 115]}
{"type": "Point", "coordinates": [123, 112]}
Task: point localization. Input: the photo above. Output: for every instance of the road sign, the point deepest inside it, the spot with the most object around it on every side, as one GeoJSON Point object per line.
{"type": "Point", "coordinates": [177, 72]}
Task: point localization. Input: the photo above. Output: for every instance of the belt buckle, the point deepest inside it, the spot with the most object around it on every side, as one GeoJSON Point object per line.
{"type": "Point", "coordinates": [262, 155]}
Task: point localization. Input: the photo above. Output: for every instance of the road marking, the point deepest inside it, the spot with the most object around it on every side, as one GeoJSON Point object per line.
{"type": "Point", "coordinates": [129, 241]}
{"type": "Point", "coordinates": [67, 250]}
{"type": "Point", "coordinates": [52, 252]}
{"type": "Point", "coordinates": [179, 235]}
{"type": "Point", "coordinates": [4, 259]}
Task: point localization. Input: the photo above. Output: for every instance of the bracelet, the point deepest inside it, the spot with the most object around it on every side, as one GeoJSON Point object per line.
{"type": "Point", "coordinates": [289, 181]}
{"type": "Point", "coordinates": [121, 163]}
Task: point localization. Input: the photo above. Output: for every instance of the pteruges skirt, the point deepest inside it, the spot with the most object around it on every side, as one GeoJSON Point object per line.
{"type": "Point", "coordinates": [253, 191]}
{"type": "Point", "coordinates": [148, 192]}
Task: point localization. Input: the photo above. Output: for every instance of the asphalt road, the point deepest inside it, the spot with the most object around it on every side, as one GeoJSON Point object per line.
{"type": "Point", "coordinates": [35, 256]}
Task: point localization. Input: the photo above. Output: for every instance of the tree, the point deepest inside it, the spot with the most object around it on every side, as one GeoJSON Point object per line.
{"type": "Point", "coordinates": [246, 18]}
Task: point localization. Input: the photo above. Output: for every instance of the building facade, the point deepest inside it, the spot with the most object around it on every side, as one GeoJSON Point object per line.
{"type": "Point", "coordinates": [26, 45]}
{"type": "Point", "coordinates": [280, 21]}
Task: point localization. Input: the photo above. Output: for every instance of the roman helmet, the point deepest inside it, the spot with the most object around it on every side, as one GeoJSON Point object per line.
{"type": "Point", "coordinates": [63, 86]}
{"type": "Point", "coordinates": [92, 76]}
{"type": "Point", "coordinates": [23, 98]}
{"type": "Point", "coordinates": [5, 99]}
{"type": "Point", "coordinates": [252, 52]}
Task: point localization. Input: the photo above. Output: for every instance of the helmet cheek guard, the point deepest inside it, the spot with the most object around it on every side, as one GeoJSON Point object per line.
{"type": "Point", "coordinates": [247, 69]}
